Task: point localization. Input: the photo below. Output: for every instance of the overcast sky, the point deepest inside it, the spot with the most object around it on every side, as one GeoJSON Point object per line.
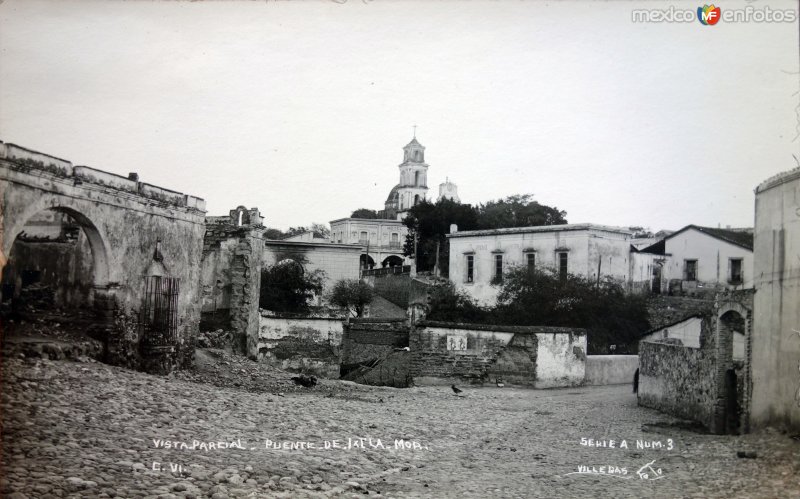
{"type": "Point", "coordinates": [302, 108]}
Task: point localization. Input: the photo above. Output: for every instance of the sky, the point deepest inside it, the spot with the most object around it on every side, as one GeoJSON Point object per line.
{"type": "Point", "coordinates": [302, 108]}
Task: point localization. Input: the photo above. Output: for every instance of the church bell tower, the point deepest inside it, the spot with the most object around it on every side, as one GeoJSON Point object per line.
{"type": "Point", "coordinates": [413, 185]}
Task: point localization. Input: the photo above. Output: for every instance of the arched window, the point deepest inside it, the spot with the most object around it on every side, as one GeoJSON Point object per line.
{"type": "Point", "coordinates": [241, 214]}
{"type": "Point", "coordinates": [416, 199]}
{"type": "Point", "coordinates": [416, 178]}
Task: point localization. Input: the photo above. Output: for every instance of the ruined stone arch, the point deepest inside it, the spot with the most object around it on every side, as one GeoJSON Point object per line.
{"type": "Point", "coordinates": [725, 421]}
{"type": "Point", "coordinates": [98, 241]}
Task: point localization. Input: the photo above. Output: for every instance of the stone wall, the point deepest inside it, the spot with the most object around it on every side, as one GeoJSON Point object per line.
{"type": "Point", "coordinates": [301, 344]}
{"type": "Point", "coordinates": [611, 369]}
{"type": "Point", "coordinates": [678, 380]}
{"type": "Point", "coordinates": [368, 340]}
{"type": "Point", "coordinates": [231, 278]}
{"type": "Point", "coordinates": [541, 357]}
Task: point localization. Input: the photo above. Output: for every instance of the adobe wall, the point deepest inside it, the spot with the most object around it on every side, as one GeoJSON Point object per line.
{"type": "Point", "coordinates": [541, 357]}
{"type": "Point", "coordinates": [310, 345]}
{"type": "Point", "coordinates": [611, 369]}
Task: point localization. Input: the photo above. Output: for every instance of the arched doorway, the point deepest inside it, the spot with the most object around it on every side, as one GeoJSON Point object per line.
{"type": "Point", "coordinates": [732, 327]}
{"type": "Point", "coordinates": [56, 262]}
{"type": "Point", "coordinates": [392, 261]}
{"type": "Point", "coordinates": [367, 262]}
{"type": "Point", "coordinates": [57, 248]}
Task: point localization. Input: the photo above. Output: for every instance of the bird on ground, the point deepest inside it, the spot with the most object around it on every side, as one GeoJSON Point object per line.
{"type": "Point", "coordinates": [455, 390]}
{"type": "Point", "coordinates": [306, 381]}
{"type": "Point", "coordinates": [500, 383]}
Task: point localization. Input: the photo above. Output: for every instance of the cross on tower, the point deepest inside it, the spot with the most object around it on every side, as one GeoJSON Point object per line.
{"type": "Point", "coordinates": [415, 131]}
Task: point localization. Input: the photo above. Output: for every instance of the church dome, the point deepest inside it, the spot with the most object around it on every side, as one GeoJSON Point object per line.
{"type": "Point", "coordinates": [393, 194]}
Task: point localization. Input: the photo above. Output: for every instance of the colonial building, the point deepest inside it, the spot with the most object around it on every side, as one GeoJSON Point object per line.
{"type": "Point", "coordinates": [698, 259]}
{"type": "Point", "coordinates": [479, 258]}
{"type": "Point", "coordinates": [381, 240]}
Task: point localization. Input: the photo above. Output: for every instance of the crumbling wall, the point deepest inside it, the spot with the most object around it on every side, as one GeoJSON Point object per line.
{"type": "Point", "coordinates": [131, 226]}
{"type": "Point", "coordinates": [541, 357]}
{"type": "Point", "coordinates": [310, 345]}
{"type": "Point", "coordinates": [374, 352]}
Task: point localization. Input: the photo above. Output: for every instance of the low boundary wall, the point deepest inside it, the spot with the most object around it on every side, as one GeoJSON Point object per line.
{"type": "Point", "coordinates": [611, 369]}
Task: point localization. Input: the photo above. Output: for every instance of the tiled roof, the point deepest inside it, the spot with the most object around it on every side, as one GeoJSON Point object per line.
{"type": "Point", "coordinates": [739, 238]}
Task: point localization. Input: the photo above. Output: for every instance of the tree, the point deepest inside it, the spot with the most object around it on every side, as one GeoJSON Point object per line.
{"type": "Point", "coordinates": [287, 287]}
{"type": "Point", "coordinates": [519, 210]}
{"type": "Point", "coordinates": [450, 305]}
{"type": "Point", "coordinates": [430, 223]}
{"type": "Point", "coordinates": [542, 298]}
{"type": "Point", "coordinates": [352, 295]}
{"type": "Point", "coordinates": [364, 213]}
{"type": "Point", "coordinates": [320, 231]}
{"type": "Point", "coordinates": [273, 233]}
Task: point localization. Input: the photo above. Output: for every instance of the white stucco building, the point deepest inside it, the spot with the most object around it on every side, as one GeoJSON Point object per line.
{"type": "Point", "coordinates": [381, 240]}
{"type": "Point", "coordinates": [704, 258]}
{"type": "Point", "coordinates": [479, 258]}
{"type": "Point", "coordinates": [688, 331]}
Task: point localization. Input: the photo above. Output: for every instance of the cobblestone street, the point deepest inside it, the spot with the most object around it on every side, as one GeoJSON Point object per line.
{"type": "Point", "coordinates": [91, 430]}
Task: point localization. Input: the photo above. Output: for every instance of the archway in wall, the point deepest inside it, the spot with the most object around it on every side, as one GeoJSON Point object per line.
{"type": "Point", "coordinates": [392, 261]}
{"type": "Point", "coordinates": [731, 369]}
{"type": "Point", "coordinates": [55, 263]}
{"type": "Point", "coordinates": [367, 262]}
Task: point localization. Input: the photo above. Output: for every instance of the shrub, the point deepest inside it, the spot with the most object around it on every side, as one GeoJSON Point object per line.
{"type": "Point", "coordinates": [352, 295]}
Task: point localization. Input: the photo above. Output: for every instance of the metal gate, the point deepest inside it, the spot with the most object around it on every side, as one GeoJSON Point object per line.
{"type": "Point", "coordinates": [158, 324]}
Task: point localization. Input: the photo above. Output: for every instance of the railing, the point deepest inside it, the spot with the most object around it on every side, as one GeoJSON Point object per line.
{"type": "Point", "coordinates": [405, 269]}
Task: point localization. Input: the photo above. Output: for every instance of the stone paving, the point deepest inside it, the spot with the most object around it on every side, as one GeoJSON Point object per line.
{"type": "Point", "coordinates": [74, 429]}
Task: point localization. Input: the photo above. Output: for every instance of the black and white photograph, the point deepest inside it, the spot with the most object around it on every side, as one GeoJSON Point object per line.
{"type": "Point", "coordinates": [399, 248]}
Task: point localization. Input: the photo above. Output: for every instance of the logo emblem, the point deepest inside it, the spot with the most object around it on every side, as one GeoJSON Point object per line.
{"type": "Point", "coordinates": [708, 14]}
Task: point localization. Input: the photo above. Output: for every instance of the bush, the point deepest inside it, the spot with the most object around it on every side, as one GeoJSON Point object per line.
{"type": "Point", "coordinates": [352, 295]}
{"type": "Point", "coordinates": [540, 297]}
{"type": "Point", "coordinates": [287, 287]}
{"type": "Point", "coordinates": [449, 305]}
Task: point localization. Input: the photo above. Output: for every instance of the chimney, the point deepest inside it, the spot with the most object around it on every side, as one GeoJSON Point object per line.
{"type": "Point", "coordinates": [133, 176]}
{"type": "Point", "coordinates": [453, 228]}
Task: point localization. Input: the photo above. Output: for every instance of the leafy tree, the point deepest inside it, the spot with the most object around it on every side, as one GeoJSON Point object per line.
{"type": "Point", "coordinates": [287, 287]}
{"type": "Point", "coordinates": [352, 295]}
{"type": "Point", "coordinates": [273, 233]}
{"type": "Point", "coordinates": [364, 213]}
{"type": "Point", "coordinates": [450, 305]}
{"type": "Point", "coordinates": [320, 231]}
{"type": "Point", "coordinates": [430, 223]}
{"type": "Point", "coordinates": [519, 210]}
{"type": "Point", "coordinates": [541, 297]}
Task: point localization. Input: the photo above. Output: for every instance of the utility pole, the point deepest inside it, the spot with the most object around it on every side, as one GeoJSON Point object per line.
{"type": "Point", "coordinates": [436, 264]}
{"type": "Point", "coordinates": [414, 266]}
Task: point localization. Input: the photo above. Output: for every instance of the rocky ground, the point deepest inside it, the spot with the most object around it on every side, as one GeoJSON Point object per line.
{"type": "Point", "coordinates": [85, 429]}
